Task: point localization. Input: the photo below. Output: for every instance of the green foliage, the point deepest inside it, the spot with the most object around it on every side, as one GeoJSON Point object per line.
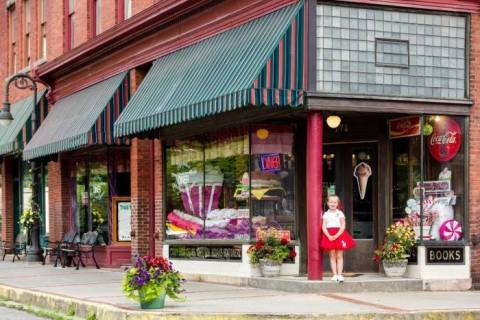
{"type": "Point", "coordinates": [28, 218]}
{"type": "Point", "coordinates": [91, 316]}
{"type": "Point", "coordinates": [272, 248]}
{"type": "Point", "coordinates": [399, 240]}
{"type": "Point", "coordinates": [150, 278]}
{"type": "Point", "coordinates": [71, 310]}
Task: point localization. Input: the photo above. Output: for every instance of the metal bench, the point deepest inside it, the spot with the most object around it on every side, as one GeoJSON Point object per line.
{"type": "Point", "coordinates": [15, 248]}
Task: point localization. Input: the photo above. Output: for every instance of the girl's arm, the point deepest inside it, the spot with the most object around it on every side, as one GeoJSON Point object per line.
{"type": "Point", "coordinates": [342, 228]}
{"type": "Point", "coordinates": [325, 231]}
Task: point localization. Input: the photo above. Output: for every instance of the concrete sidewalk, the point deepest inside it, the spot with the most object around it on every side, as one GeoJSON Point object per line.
{"type": "Point", "coordinates": [90, 291]}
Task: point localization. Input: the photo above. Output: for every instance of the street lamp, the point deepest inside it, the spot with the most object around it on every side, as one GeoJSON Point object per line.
{"type": "Point", "coordinates": [23, 81]}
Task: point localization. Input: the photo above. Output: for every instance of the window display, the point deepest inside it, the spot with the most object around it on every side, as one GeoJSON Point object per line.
{"type": "Point", "coordinates": [273, 179]}
{"type": "Point", "coordinates": [434, 205]}
{"type": "Point", "coordinates": [217, 186]}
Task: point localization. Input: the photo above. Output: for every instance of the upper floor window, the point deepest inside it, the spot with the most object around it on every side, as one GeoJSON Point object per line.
{"type": "Point", "coordinates": [124, 9]}
{"type": "Point", "coordinates": [12, 35]}
{"type": "Point", "coordinates": [98, 17]}
{"type": "Point", "coordinates": [70, 34]}
{"type": "Point", "coordinates": [42, 28]}
{"type": "Point", "coordinates": [27, 36]}
{"type": "Point", "coordinates": [128, 8]}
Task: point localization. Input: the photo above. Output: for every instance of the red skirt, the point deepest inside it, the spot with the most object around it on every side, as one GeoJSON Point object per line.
{"type": "Point", "coordinates": [344, 242]}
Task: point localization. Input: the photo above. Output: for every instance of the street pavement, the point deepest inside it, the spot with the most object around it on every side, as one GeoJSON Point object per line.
{"type": "Point", "coordinates": [12, 314]}
{"type": "Point", "coordinates": [102, 286]}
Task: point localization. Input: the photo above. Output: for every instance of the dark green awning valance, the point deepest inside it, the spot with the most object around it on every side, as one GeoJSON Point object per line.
{"type": "Point", "coordinates": [83, 118]}
{"type": "Point", "coordinates": [259, 63]}
{"type": "Point", "coordinates": [14, 137]}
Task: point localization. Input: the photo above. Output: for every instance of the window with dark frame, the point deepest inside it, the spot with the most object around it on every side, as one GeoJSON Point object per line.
{"type": "Point", "coordinates": [12, 25]}
{"type": "Point", "coordinates": [27, 38]}
{"type": "Point", "coordinates": [42, 21]}
{"type": "Point", "coordinates": [70, 24]}
{"type": "Point", "coordinates": [392, 53]}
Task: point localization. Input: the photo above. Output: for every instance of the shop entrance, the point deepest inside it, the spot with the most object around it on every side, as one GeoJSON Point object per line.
{"type": "Point", "coordinates": [350, 171]}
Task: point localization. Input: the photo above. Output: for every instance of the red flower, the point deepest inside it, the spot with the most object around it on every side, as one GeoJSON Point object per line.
{"type": "Point", "coordinates": [284, 241]}
{"type": "Point", "coordinates": [259, 245]}
{"type": "Point", "coordinates": [292, 254]}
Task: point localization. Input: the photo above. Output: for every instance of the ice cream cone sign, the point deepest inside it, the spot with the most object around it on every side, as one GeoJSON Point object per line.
{"type": "Point", "coordinates": [362, 172]}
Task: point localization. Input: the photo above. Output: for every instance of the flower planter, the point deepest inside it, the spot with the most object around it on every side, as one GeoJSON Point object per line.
{"type": "Point", "coordinates": [270, 268]}
{"type": "Point", "coordinates": [157, 303]}
{"type": "Point", "coordinates": [255, 270]}
{"type": "Point", "coordinates": [395, 268]}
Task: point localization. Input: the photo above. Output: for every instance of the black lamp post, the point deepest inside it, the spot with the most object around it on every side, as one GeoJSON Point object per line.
{"type": "Point", "coordinates": [23, 81]}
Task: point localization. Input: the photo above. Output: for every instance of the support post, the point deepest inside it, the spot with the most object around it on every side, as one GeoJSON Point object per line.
{"type": "Point", "coordinates": [314, 194]}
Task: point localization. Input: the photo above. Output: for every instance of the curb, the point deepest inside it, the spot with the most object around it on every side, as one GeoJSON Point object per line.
{"type": "Point", "coordinates": [101, 311]}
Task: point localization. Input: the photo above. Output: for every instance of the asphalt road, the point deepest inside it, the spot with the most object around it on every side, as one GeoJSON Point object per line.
{"type": "Point", "coordinates": [12, 314]}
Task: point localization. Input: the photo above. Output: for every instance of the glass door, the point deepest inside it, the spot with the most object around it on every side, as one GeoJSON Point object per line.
{"type": "Point", "coordinates": [350, 171]}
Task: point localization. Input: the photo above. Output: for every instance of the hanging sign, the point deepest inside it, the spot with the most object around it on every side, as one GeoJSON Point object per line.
{"type": "Point", "coordinates": [404, 127]}
{"type": "Point", "coordinates": [445, 140]}
{"type": "Point", "coordinates": [270, 162]}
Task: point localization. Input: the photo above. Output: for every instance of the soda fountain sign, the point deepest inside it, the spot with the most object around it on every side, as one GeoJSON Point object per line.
{"type": "Point", "coordinates": [445, 140]}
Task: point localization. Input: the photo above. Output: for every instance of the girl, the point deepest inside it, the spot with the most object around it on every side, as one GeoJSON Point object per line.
{"type": "Point", "coordinates": [335, 238]}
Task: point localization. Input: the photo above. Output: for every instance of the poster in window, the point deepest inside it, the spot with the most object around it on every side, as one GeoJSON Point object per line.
{"type": "Point", "coordinates": [122, 217]}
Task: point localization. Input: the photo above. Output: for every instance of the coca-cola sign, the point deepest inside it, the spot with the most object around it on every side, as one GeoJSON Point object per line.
{"type": "Point", "coordinates": [445, 140]}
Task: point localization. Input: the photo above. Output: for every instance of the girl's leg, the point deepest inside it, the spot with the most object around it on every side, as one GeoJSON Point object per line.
{"type": "Point", "coordinates": [339, 258]}
{"type": "Point", "coordinates": [333, 261]}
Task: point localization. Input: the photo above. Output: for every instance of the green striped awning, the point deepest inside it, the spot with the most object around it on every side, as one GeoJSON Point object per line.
{"type": "Point", "coordinates": [259, 63]}
{"type": "Point", "coordinates": [14, 137]}
{"type": "Point", "coordinates": [83, 118]}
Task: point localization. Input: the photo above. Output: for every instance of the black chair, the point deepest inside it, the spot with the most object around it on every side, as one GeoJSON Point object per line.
{"type": "Point", "coordinates": [86, 248]}
{"type": "Point", "coordinates": [52, 248]}
{"type": "Point", "coordinates": [16, 248]}
{"type": "Point", "coordinates": [66, 248]}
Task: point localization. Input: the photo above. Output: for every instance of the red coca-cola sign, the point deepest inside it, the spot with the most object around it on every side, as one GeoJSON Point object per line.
{"type": "Point", "coordinates": [445, 140]}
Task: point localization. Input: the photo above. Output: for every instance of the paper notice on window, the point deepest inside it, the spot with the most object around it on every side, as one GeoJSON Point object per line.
{"type": "Point", "coordinates": [124, 212]}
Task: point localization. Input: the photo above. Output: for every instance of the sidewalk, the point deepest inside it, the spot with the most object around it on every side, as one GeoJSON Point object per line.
{"type": "Point", "coordinates": [91, 291]}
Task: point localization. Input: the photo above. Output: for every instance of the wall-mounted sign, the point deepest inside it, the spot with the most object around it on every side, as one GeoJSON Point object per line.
{"type": "Point", "coordinates": [203, 252]}
{"type": "Point", "coordinates": [404, 127]}
{"type": "Point", "coordinates": [445, 140]}
{"type": "Point", "coordinates": [445, 255]}
{"type": "Point", "coordinates": [121, 219]}
{"type": "Point", "coordinates": [413, 256]}
{"type": "Point", "coordinates": [270, 162]}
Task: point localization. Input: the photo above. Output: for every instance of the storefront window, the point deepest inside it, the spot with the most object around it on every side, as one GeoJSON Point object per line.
{"type": "Point", "coordinates": [435, 203]}
{"type": "Point", "coordinates": [27, 187]}
{"type": "Point", "coordinates": [185, 175]}
{"type": "Point", "coordinates": [273, 179]}
{"type": "Point", "coordinates": [443, 190]}
{"type": "Point", "coordinates": [92, 198]}
{"type": "Point", "coordinates": [216, 185]}
{"type": "Point", "coordinates": [98, 194]}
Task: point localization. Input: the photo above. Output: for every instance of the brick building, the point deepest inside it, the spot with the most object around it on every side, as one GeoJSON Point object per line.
{"type": "Point", "coordinates": [207, 118]}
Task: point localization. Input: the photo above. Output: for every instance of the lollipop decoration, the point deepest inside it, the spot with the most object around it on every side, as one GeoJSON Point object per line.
{"type": "Point", "coordinates": [450, 230]}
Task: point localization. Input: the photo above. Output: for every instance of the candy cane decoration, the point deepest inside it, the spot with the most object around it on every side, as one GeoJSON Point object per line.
{"type": "Point", "coordinates": [450, 230]}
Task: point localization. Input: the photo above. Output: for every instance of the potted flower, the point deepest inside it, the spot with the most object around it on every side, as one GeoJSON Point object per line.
{"type": "Point", "coordinates": [28, 220]}
{"type": "Point", "coordinates": [271, 252]}
{"type": "Point", "coordinates": [399, 240]}
{"type": "Point", "coordinates": [150, 280]}
{"type": "Point", "coordinates": [254, 255]}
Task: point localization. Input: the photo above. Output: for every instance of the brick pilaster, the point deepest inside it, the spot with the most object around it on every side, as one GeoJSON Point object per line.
{"type": "Point", "coordinates": [7, 199]}
{"type": "Point", "coordinates": [159, 175]}
{"type": "Point", "coordinates": [140, 155]}
{"type": "Point", "coordinates": [474, 140]}
{"type": "Point", "coordinates": [59, 199]}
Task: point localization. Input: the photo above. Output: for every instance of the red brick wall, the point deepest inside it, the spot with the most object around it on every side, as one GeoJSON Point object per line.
{"type": "Point", "coordinates": [7, 199]}
{"type": "Point", "coordinates": [474, 139]}
{"type": "Point", "coordinates": [59, 199]}
{"type": "Point", "coordinates": [158, 176]}
{"type": "Point", "coordinates": [140, 154]}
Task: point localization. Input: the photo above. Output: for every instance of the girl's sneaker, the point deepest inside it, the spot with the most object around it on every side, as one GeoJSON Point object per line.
{"type": "Point", "coordinates": [340, 278]}
{"type": "Point", "coordinates": [335, 278]}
